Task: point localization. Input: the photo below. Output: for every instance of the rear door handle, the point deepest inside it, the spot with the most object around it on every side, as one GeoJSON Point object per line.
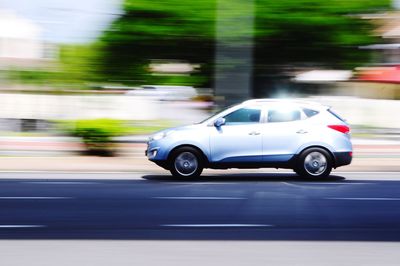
{"type": "Point", "coordinates": [301, 131]}
{"type": "Point", "coordinates": [254, 133]}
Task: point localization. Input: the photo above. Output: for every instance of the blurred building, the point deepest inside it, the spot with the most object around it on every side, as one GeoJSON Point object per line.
{"type": "Point", "coordinates": [20, 42]}
{"type": "Point", "coordinates": [379, 79]}
{"type": "Point", "coordinates": [382, 78]}
{"type": "Point", "coordinates": [388, 28]}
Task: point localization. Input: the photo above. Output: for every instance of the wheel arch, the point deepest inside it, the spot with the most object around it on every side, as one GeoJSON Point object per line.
{"type": "Point", "coordinates": [320, 147]}
{"type": "Point", "coordinates": [204, 156]}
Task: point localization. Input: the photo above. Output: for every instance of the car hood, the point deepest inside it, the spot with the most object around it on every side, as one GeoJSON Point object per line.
{"type": "Point", "coordinates": [186, 127]}
{"type": "Point", "coordinates": [180, 128]}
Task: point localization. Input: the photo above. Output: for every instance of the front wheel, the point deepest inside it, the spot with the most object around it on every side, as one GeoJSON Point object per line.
{"type": "Point", "coordinates": [314, 163]}
{"type": "Point", "coordinates": [186, 162]}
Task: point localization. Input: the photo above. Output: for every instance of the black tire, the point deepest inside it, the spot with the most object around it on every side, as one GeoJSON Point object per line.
{"type": "Point", "coordinates": [186, 162]}
{"type": "Point", "coordinates": [314, 163]}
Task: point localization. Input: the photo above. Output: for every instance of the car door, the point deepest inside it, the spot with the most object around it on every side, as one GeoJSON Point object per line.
{"type": "Point", "coordinates": [283, 133]}
{"type": "Point", "coordinates": [239, 139]}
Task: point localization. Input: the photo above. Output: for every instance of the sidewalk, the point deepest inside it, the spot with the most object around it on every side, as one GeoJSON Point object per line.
{"type": "Point", "coordinates": [63, 154]}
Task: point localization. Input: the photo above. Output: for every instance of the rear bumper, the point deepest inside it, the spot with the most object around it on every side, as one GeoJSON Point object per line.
{"type": "Point", "coordinates": [343, 158]}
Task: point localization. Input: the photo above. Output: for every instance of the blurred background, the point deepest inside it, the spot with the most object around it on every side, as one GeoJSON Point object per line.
{"type": "Point", "coordinates": [97, 76]}
{"type": "Point", "coordinates": [84, 83]}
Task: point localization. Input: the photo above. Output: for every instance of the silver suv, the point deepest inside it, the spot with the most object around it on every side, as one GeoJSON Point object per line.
{"type": "Point", "coordinates": [307, 137]}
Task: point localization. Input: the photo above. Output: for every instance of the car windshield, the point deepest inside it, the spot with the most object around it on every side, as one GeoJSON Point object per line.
{"type": "Point", "coordinates": [216, 114]}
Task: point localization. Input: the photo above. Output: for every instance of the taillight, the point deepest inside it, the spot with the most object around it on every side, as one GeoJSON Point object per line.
{"type": "Point", "coordinates": [341, 128]}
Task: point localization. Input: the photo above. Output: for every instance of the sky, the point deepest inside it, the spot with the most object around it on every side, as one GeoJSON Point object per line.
{"type": "Point", "coordinates": [67, 21]}
{"type": "Point", "coordinates": [396, 4]}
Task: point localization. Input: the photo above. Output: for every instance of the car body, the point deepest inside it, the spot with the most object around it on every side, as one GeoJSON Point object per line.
{"type": "Point", "coordinates": [307, 137]}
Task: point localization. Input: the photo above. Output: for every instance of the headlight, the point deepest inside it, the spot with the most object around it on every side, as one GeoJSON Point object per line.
{"type": "Point", "coordinates": [160, 135]}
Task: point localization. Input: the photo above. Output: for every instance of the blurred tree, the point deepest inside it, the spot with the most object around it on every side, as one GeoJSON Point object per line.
{"type": "Point", "coordinates": [164, 29]}
{"type": "Point", "coordinates": [79, 62]}
{"type": "Point", "coordinates": [309, 33]}
{"type": "Point", "coordinates": [76, 66]}
{"type": "Point", "coordinates": [287, 34]}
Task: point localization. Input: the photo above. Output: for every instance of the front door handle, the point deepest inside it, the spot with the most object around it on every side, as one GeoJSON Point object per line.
{"type": "Point", "coordinates": [254, 133]}
{"type": "Point", "coordinates": [301, 131]}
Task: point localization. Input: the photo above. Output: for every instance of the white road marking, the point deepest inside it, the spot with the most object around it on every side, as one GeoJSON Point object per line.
{"type": "Point", "coordinates": [199, 198]}
{"type": "Point", "coordinates": [33, 198]}
{"type": "Point", "coordinates": [216, 225]}
{"type": "Point", "coordinates": [337, 183]}
{"type": "Point", "coordinates": [21, 226]}
{"type": "Point", "coordinates": [302, 184]}
{"type": "Point", "coordinates": [383, 199]}
{"type": "Point", "coordinates": [60, 182]}
{"type": "Point", "coordinates": [365, 172]}
{"type": "Point", "coordinates": [208, 183]}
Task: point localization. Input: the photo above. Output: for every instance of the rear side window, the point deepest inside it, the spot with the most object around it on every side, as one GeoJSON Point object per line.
{"type": "Point", "coordinates": [310, 112]}
{"type": "Point", "coordinates": [243, 115]}
{"type": "Point", "coordinates": [283, 115]}
{"type": "Point", "coordinates": [336, 115]}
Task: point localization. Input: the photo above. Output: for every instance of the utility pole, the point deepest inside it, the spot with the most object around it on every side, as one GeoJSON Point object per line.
{"type": "Point", "coordinates": [234, 51]}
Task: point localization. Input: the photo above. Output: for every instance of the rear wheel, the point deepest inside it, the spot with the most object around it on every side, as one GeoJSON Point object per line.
{"type": "Point", "coordinates": [314, 163]}
{"type": "Point", "coordinates": [186, 162]}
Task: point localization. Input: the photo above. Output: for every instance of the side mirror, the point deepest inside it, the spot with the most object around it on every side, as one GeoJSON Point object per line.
{"type": "Point", "coordinates": [219, 122]}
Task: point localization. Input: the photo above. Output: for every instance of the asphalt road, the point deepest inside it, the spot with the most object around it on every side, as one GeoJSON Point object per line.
{"type": "Point", "coordinates": [277, 206]}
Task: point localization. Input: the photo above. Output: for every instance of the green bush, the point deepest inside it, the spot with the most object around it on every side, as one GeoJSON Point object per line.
{"type": "Point", "coordinates": [97, 134]}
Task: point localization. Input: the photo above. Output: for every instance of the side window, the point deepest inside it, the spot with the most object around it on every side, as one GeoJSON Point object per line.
{"type": "Point", "coordinates": [243, 115]}
{"type": "Point", "coordinates": [283, 115]}
{"type": "Point", "coordinates": [310, 112]}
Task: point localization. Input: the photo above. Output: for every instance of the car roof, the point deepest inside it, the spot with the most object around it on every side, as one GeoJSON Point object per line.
{"type": "Point", "coordinates": [302, 103]}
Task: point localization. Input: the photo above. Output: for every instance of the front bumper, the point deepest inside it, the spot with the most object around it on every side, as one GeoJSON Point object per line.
{"type": "Point", "coordinates": [151, 154]}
